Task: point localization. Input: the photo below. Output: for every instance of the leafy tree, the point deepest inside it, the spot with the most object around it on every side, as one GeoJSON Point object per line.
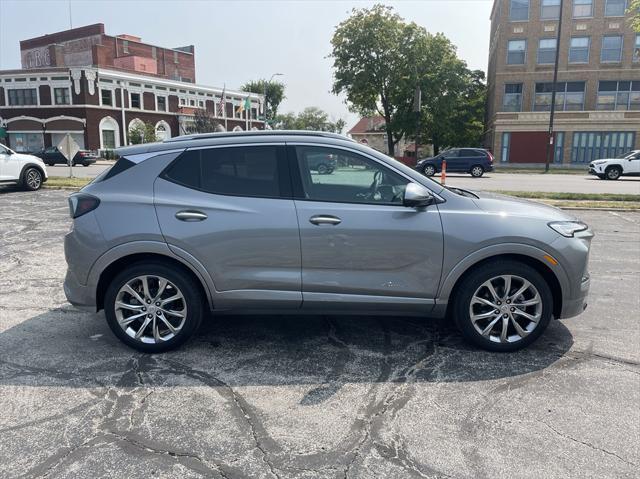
{"type": "Point", "coordinates": [142, 133]}
{"type": "Point", "coordinates": [634, 11]}
{"type": "Point", "coordinates": [203, 122]}
{"type": "Point", "coordinates": [275, 95]}
{"type": "Point", "coordinates": [379, 59]}
{"type": "Point", "coordinates": [311, 118]}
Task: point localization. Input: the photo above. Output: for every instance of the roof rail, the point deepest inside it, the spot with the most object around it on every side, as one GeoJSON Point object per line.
{"type": "Point", "coordinates": [227, 134]}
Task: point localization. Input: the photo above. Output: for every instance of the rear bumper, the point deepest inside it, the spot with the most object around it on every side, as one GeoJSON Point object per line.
{"type": "Point", "coordinates": [79, 295]}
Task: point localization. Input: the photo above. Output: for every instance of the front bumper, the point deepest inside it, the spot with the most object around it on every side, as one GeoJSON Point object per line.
{"type": "Point", "coordinates": [574, 307]}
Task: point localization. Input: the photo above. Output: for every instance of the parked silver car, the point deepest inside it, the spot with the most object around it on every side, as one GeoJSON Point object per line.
{"type": "Point", "coordinates": [241, 222]}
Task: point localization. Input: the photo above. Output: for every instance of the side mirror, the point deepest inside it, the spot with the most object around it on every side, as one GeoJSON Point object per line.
{"type": "Point", "coordinates": [416, 196]}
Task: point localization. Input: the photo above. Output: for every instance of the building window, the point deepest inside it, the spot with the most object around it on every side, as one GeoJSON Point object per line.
{"type": "Point", "coordinates": [558, 147]}
{"type": "Point", "coordinates": [192, 102]}
{"type": "Point", "coordinates": [569, 96]}
{"type": "Point", "coordinates": [108, 139]}
{"type": "Point", "coordinates": [636, 51]}
{"type": "Point", "coordinates": [506, 140]}
{"type": "Point", "coordinates": [106, 97]}
{"type": "Point", "coordinates": [175, 59]}
{"type": "Point", "coordinates": [611, 49]}
{"type": "Point", "coordinates": [615, 8]}
{"type": "Point", "coordinates": [547, 51]}
{"type": "Point", "coordinates": [154, 53]}
{"type": "Point", "coordinates": [512, 100]}
{"type": "Point", "coordinates": [125, 46]}
{"type": "Point", "coordinates": [61, 96]}
{"type": "Point", "coordinates": [618, 95]}
{"type": "Point", "coordinates": [135, 100]}
{"type": "Point", "coordinates": [550, 10]}
{"type": "Point", "coordinates": [200, 104]}
{"type": "Point", "coordinates": [519, 10]}
{"type": "Point", "coordinates": [517, 52]}
{"type": "Point", "coordinates": [579, 50]}
{"type": "Point", "coordinates": [582, 8]}
{"type": "Point", "coordinates": [109, 133]}
{"type": "Point", "coordinates": [23, 96]}
{"type": "Point", "coordinates": [589, 146]}
{"type": "Point", "coordinates": [162, 103]}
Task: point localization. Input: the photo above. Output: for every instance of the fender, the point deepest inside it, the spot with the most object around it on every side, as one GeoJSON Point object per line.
{"type": "Point", "coordinates": [447, 284]}
{"type": "Point", "coordinates": [32, 165]}
{"type": "Point", "coordinates": [151, 247]}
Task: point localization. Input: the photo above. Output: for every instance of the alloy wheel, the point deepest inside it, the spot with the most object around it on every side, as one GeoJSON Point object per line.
{"type": "Point", "coordinates": [505, 309]}
{"type": "Point", "coordinates": [613, 173]}
{"type": "Point", "coordinates": [150, 309]}
{"type": "Point", "coordinates": [477, 171]}
{"type": "Point", "coordinates": [34, 179]}
{"type": "Point", "coordinates": [429, 170]}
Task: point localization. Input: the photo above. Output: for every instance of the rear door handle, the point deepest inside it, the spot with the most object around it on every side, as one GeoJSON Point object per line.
{"type": "Point", "coordinates": [191, 215]}
{"type": "Point", "coordinates": [325, 220]}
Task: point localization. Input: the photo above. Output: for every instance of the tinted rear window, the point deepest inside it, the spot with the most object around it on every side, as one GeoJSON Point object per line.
{"type": "Point", "coordinates": [237, 171]}
{"type": "Point", "coordinates": [121, 165]}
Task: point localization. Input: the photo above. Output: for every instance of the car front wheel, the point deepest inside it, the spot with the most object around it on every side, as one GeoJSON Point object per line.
{"type": "Point", "coordinates": [503, 306]}
{"type": "Point", "coordinates": [32, 179]}
{"type": "Point", "coordinates": [477, 171]}
{"type": "Point", "coordinates": [153, 308]}
{"type": "Point", "coordinates": [613, 173]}
{"type": "Point", "coordinates": [429, 170]}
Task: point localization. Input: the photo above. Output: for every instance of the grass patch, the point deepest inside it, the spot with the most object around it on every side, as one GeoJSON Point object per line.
{"type": "Point", "coordinates": [553, 171]}
{"type": "Point", "coordinates": [57, 182]}
{"type": "Point", "coordinates": [543, 195]}
{"type": "Point", "coordinates": [605, 205]}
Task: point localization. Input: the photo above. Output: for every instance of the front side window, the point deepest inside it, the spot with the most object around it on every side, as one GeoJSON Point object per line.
{"type": "Point", "coordinates": [569, 96]}
{"type": "Point", "coordinates": [519, 10]}
{"type": "Point", "coordinates": [61, 96]}
{"type": "Point", "coordinates": [23, 96]}
{"type": "Point", "coordinates": [106, 97]}
{"type": "Point", "coordinates": [618, 95]}
{"type": "Point", "coordinates": [135, 100]}
{"type": "Point", "coordinates": [547, 51]}
{"type": "Point", "coordinates": [579, 50]}
{"type": "Point", "coordinates": [615, 8]}
{"type": "Point", "coordinates": [342, 176]}
{"type": "Point", "coordinates": [253, 171]}
{"type": "Point", "coordinates": [516, 52]}
{"type": "Point", "coordinates": [611, 48]}
{"type": "Point", "coordinates": [512, 100]}
{"type": "Point", "coordinates": [582, 8]}
{"type": "Point", "coordinates": [550, 10]}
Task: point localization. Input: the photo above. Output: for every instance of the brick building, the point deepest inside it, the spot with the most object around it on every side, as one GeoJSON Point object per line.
{"type": "Point", "coordinates": [598, 91]}
{"type": "Point", "coordinates": [97, 87]}
{"type": "Point", "coordinates": [371, 131]}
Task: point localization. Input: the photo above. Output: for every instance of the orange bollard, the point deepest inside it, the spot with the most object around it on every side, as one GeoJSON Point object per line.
{"type": "Point", "coordinates": [443, 173]}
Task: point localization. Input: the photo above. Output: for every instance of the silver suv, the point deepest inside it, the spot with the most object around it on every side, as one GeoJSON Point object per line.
{"type": "Point", "coordinates": [242, 222]}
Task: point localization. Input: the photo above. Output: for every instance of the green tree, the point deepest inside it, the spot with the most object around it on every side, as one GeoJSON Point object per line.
{"type": "Point", "coordinates": [203, 122]}
{"type": "Point", "coordinates": [379, 59]}
{"type": "Point", "coordinates": [275, 95]}
{"type": "Point", "coordinates": [634, 11]}
{"type": "Point", "coordinates": [311, 118]}
{"type": "Point", "coordinates": [142, 133]}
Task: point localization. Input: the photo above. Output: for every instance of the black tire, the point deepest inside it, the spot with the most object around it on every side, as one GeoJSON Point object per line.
{"type": "Point", "coordinates": [477, 171]}
{"type": "Point", "coordinates": [185, 283]}
{"type": "Point", "coordinates": [613, 173]}
{"type": "Point", "coordinates": [475, 279]}
{"type": "Point", "coordinates": [323, 169]}
{"type": "Point", "coordinates": [429, 170]}
{"type": "Point", "coordinates": [32, 179]}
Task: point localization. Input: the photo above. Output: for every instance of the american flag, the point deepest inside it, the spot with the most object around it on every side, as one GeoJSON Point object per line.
{"type": "Point", "coordinates": [220, 106]}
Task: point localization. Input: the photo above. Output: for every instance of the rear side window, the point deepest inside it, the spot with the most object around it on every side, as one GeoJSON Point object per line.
{"type": "Point", "coordinates": [473, 153]}
{"type": "Point", "coordinates": [237, 171]}
{"type": "Point", "coordinates": [123, 164]}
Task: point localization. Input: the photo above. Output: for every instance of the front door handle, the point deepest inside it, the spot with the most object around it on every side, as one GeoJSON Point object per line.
{"type": "Point", "coordinates": [191, 215]}
{"type": "Point", "coordinates": [325, 220]}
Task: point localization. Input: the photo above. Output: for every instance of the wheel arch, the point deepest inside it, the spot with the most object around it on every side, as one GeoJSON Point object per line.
{"type": "Point", "coordinates": [31, 165]}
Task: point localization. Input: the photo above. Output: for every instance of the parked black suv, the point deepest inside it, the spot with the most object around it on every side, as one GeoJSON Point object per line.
{"type": "Point", "coordinates": [323, 164]}
{"type": "Point", "coordinates": [474, 161]}
{"type": "Point", "coordinates": [52, 156]}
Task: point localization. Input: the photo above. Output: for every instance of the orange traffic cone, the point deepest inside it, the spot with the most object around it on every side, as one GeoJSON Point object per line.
{"type": "Point", "coordinates": [443, 174]}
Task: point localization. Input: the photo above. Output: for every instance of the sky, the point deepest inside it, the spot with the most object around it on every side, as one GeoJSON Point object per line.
{"type": "Point", "coordinates": [239, 40]}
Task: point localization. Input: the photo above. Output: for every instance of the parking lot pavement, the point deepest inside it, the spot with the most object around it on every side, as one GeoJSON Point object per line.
{"type": "Point", "coordinates": [314, 397]}
{"type": "Point", "coordinates": [541, 182]}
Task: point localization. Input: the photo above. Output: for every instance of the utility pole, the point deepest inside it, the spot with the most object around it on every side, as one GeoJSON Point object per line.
{"type": "Point", "coordinates": [550, 145]}
{"type": "Point", "coordinates": [417, 106]}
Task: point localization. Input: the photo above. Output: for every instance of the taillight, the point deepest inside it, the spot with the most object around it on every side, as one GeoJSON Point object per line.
{"type": "Point", "coordinates": [81, 203]}
{"type": "Point", "coordinates": [490, 157]}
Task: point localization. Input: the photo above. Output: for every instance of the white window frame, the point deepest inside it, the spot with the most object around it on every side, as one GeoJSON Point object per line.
{"type": "Point", "coordinates": [573, 10]}
{"type": "Point", "coordinates": [521, 19]}
{"type": "Point", "coordinates": [136, 92]}
{"type": "Point", "coordinates": [22, 86]}
{"type": "Point", "coordinates": [621, 50]}
{"type": "Point", "coordinates": [581, 48]}
{"type": "Point", "coordinates": [526, 46]}
{"type": "Point", "coordinates": [53, 95]}
{"type": "Point", "coordinates": [166, 102]}
{"type": "Point", "coordinates": [624, 9]}
{"type": "Point", "coordinates": [542, 7]}
{"type": "Point", "coordinates": [546, 50]}
{"type": "Point", "coordinates": [113, 96]}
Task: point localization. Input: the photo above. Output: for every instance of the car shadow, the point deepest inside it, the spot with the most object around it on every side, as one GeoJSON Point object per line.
{"type": "Point", "coordinates": [68, 348]}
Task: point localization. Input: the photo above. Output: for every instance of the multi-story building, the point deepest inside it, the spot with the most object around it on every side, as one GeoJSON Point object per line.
{"type": "Point", "coordinates": [98, 87]}
{"type": "Point", "coordinates": [598, 89]}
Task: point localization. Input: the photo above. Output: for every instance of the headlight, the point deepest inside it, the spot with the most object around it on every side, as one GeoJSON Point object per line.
{"type": "Point", "coordinates": [568, 228]}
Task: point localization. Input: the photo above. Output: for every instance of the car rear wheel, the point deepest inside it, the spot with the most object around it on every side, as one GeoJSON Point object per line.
{"type": "Point", "coordinates": [613, 173]}
{"type": "Point", "coordinates": [477, 171]}
{"type": "Point", "coordinates": [429, 170]}
{"type": "Point", "coordinates": [32, 179]}
{"type": "Point", "coordinates": [153, 308]}
{"type": "Point", "coordinates": [323, 169]}
{"type": "Point", "coordinates": [503, 306]}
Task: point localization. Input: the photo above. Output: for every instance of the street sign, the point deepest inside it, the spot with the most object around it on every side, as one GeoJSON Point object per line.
{"type": "Point", "coordinates": [68, 147]}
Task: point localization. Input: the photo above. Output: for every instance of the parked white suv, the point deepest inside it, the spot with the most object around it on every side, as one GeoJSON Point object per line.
{"type": "Point", "coordinates": [613, 168]}
{"type": "Point", "coordinates": [26, 171]}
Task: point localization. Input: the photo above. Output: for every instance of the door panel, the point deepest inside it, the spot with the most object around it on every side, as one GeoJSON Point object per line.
{"type": "Point", "coordinates": [365, 243]}
{"type": "Point", "coordinates": [248, 245]}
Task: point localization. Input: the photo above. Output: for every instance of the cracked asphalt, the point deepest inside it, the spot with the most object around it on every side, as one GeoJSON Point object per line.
{"type": "Point", "coordinates": [311, 397]}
